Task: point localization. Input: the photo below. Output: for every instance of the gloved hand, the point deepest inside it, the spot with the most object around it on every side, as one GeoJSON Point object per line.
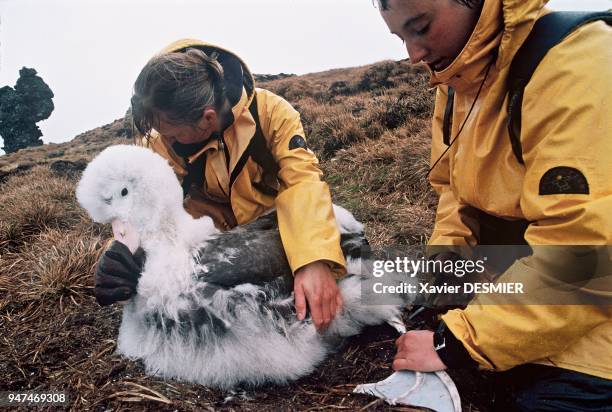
{"type": "Point", "coordinates": [444, 302]}
{"type": "Point", "coordinates": [426, 316]}
{"type": "Point", "coordinates": [444, 257]}
{"type": "Point", "coordinates": [117, 273]}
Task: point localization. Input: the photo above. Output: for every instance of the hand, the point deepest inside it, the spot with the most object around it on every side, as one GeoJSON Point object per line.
{"type": "Point", "coordinates": [316, 284]}
{"type": "Point", "coordinates": [117, 274]}
{"type": "Point", "coordinates": [415, 351]}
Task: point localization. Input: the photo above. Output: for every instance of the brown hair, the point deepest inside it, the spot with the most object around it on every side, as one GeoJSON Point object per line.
{"type": "Point", "coordinates": [467, 3]}
{"type": "Point", "coordinates": [179, 85]}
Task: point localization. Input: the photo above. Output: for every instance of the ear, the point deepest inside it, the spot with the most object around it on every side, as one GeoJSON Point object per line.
{"type": "Point", "coordinates": [209, 119]}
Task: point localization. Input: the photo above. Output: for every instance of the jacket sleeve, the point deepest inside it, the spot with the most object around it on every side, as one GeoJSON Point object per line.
{"type": "Point", "coordinates": [453, 225]}
{"type": "Point", "coordinates": [567, 148]}
{"type": "Point", "coordinates": [304, 206]}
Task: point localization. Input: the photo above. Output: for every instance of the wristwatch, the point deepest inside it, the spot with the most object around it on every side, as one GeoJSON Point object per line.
{"type": "Point", "coordinates": [450, 350]}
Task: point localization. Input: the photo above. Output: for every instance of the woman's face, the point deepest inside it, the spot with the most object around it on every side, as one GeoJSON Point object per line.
{"type": "Point", "coordinates": [434, 31]}
{"type": "Point", "coordinates": [188, 134]}
{"type": "Point", "coordinates": [185, 134]}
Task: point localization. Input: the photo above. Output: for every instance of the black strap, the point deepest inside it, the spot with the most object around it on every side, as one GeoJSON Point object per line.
{"type": "Point", "coordinates": [547, 32]}
{"type": "Point", "coordinates": [448, 116]}
{"type": "Point", "coordinates": [450, 349]}
{"type": "Point", "coordinates": [257, 149]}
{"type": "Point", "coordinates": [195, 170]}
{"type": "Point", "coordinates": [195, 173]}
{"type": "Point", "coordinates": [261, 154]}
{"type": "Point", "coordinates": [234, 80]}
{"type": "Point", "coordinates": [493, 230]}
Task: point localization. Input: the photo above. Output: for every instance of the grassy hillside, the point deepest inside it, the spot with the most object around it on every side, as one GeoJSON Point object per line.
{"type": "Point", "coordinates": [370, 129]}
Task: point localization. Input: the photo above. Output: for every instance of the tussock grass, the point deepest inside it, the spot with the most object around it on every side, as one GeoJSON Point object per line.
{"type": "Point", "coordinates": [58, 263]}
{"type": "Point", "coordinates": [48, 245]}
{"type": "Point", "coordinates": [34, 202]}
{"type": "Point", "coordinates": [370, 127]}
{"type": "Point", "coordinates": [385, 185]}
{"type": "Point", "coordinates": [337, 130]}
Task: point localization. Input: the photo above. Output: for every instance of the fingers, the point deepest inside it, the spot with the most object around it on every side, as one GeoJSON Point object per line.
{"type": "Point", "coordinates": [401, 364]}
{"type": "Point", "coordinates": [329, 304]}
{"type": "Point", "coordinates": [140, 258]}
{"type": "Point", "coordinates": [339, 303]}
{"type": "Point", "coordinates": [300, 301]}
{"type": "Point", "coordinates": [402, 357]}
{"type": "Point", "coordinates": [118, 261]}
{"type": "Point", "coordinates": [333, 308]}
{"type": "Point", "coordinates": [316, 311]}
{"type": "Point", "coordinates": [107, 297]}
{"type": "Point", "coordinates": [326, 311]}
{"type": "Point", "coordinates": [105, 281]}
{"type": "Point", "coordinates": [117, 274]}
{"type": "Point", "coordinates": [415, 351]}
{"type": "Point", "coordinates": [319, 310]}
{"type": "Point", "coordinates": [316, 286]}
{"type": "Point", "coordinates": [417, 359]}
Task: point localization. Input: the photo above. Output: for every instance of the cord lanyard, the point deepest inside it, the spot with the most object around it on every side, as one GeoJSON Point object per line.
{"type": "Point", "coordinates": [464, 121]}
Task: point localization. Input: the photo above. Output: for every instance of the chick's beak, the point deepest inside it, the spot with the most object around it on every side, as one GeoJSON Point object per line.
{"type": "Point", "coordinates": [125, 233]}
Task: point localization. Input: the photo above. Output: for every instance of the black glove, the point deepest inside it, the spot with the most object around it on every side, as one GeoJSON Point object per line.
{"type": "Point", "coordinates": [427, 315]}
{"type": "Point", "coordinates": [117, 273]}
{"type": "Point", "coordinates": [444, 302]}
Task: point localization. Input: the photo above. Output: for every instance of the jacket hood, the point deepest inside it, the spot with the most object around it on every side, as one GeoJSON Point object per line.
{"type": "Point", "coordinates": [501, 29]}
{"type": "Point", "coordinates": [239, 82]}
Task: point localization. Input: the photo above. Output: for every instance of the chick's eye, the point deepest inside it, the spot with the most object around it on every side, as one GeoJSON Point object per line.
{"type": "Point", "coordinates": [124, 192]}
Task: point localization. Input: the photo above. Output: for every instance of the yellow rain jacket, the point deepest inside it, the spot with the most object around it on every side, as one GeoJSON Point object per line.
{"type": "Point", "coordinates": [304, 207]}
{"type": "Point", "coordinates": [567, 122]}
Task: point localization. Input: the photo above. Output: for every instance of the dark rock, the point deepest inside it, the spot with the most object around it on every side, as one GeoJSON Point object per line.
{"type": "Point", "coordinates": [21, 108]}
{"type": "Point", "coordinates": [377, 77]}
{"type": "Point", "coordinates": [340, 87]}
{"type": "Point", "coordinates": [269, 77]}
{"type": "Point", "coordinates": [67, 168]}
{"type": "Point", "coordinates": [18, 170]}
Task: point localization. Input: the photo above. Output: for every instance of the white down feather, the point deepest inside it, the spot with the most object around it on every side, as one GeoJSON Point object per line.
{"type": "Point", "coordinates": [182, 326]}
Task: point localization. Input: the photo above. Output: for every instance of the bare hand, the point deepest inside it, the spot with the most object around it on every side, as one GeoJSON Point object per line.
{"type": "Point", "coordinates": [415, 351]}
{"type": "Point", "coordinates": [316, 284]}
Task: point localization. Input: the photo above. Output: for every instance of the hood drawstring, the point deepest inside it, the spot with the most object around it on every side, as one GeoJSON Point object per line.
{"type": "Point", "coordinates": [464, 121]}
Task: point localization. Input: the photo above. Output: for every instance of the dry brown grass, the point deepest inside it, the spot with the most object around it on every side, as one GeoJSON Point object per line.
{"type": "Point", "coordinates": [48, 245]}
{"type": "Point", "coordinates": [34, 202]}
{"type": "Point", "coordinates": [384, 184]}
{"type": "Point", "coordinates": [78, 151]}
{"type": "Point", "coordinates": [370, 127]}
{"type": "Point", "coordinates": [57, 264]}
{"type": "Point", "coordinates": [31, 203]}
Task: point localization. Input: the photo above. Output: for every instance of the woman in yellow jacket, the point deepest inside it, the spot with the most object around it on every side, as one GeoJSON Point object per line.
{"type": "Point", "coordinates": [561, 194]}
{"type": "Point", "coordinates": [197, 106]}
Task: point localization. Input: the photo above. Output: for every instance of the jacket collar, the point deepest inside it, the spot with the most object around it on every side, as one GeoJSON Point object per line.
{"type": "Point", "coordinates": [501, 29]}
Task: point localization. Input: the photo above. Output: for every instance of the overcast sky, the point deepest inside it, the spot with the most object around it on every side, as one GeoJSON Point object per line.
{"type": "Point", "coordinates": [90, 51]}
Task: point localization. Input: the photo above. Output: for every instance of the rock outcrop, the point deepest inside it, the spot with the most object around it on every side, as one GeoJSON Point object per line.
{"type": "Point", "coordinates": [21, 108]}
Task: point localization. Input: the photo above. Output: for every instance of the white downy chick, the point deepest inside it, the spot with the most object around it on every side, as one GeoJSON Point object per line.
{"type": "Point", "coordinates": [136, 189]}
{"type": "Point", "coordinates": [187, 321]}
